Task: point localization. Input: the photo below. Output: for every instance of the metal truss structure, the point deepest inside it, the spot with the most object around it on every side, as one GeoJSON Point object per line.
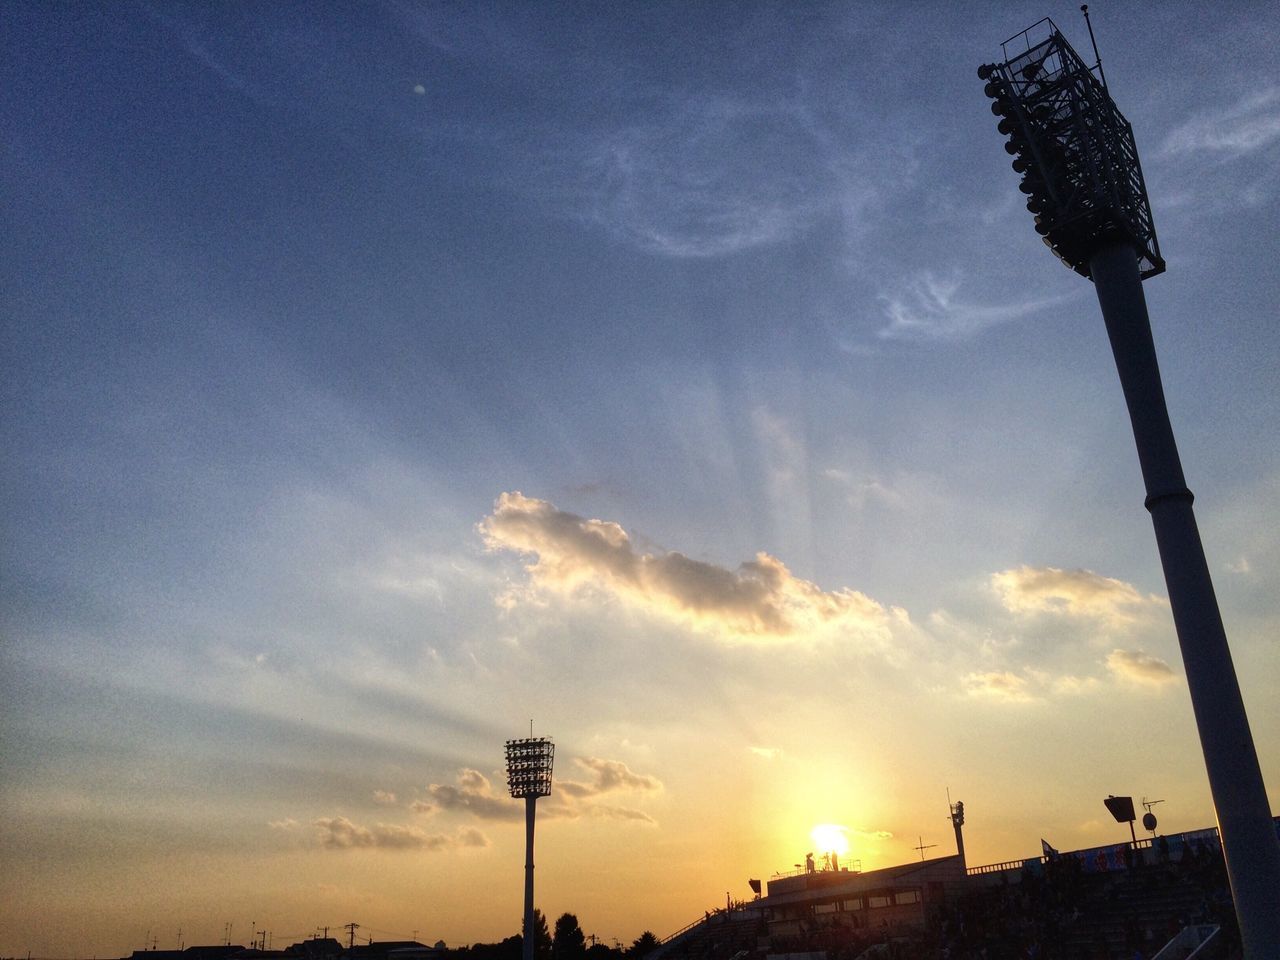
{"type": "Point", "coordinates": [1074, 149]}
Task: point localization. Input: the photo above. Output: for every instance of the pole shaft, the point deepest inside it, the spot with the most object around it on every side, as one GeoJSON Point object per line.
{"type": "Point", "coordinates": [527, 941]}
{"type": "Point", "coordinates": [1249, 843]}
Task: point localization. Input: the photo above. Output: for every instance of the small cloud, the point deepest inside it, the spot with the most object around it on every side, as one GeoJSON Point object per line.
{"type": "Point", "coordinates": [999, 685]}
{"type": "Point", "coordinates": [419, 89]}
{"type": "Point", "coordinates": [1248, 125]}
{"type": "Point", "coordinates": [384, 798]}
{"type": "Point", "coordinates": [1142, 668]}
{"type": "Point", "coordinates": [286, 824]}
{"type": "Point", "coordinates": [1241, 566]}
{"type": "Point", "coordinates": [339, 833]}
{"type": "Point", "coordinates": [760, 601]}
{"type": "Point", "coordinates": [767, 753]}
{"type": "Point", "coordinates": [1071, 593]}
{"type": "Point", "coordinates": [607, 776]}
{"type": "Point", "coordinates": [570, 799]}
{"type": "Point", "coordinates": [473, 794]}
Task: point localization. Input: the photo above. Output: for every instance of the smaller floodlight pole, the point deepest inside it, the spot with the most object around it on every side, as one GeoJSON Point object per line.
{"type": "Point", "coordinates": [529, 764]}
{"type": "Point", "coordinates": [1083, 182]}
{"type": "Point", "coordinates": [957, 821]}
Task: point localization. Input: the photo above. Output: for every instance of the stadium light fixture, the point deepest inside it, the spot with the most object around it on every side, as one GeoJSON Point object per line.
{"type": "Point", "coordinates": [1080, 173]}
{"type": "Point", "coordinates": [529, 763]}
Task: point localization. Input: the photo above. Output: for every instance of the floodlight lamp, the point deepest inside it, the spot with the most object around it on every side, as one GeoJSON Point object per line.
{"type": "Point", "coordinates": [529, 764]}
{"type": "Point", "coordinates": [1062, 124]}
{"type": "Point", "coordinates": [1121, 808]}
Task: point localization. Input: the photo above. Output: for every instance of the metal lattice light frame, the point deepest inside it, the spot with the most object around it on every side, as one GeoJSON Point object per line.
{"type": "Point", "coordinates": [529, 764]}
{"type": "Point", "coordinates": [1074, 148]}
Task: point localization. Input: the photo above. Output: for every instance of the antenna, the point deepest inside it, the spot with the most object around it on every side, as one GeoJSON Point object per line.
{"type": "Point", "coordinates": [1084, 8]}
{"type": "Point", "coordinates": [923, 846]}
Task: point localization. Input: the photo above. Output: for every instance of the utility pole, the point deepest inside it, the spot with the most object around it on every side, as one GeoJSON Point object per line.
{"type": "Point", "coordinates": [351, 934]}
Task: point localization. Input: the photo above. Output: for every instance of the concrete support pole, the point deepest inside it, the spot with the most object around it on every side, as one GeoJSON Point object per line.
{"type": "Point", "coordinates": [529, 934]}
{"type": "Point", "coordinates": [1249, 841]}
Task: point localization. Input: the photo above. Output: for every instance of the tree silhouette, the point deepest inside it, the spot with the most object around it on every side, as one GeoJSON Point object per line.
{"type": "Point", "coordinates": [570, 943]}
{"type": "Point", "coordinates": [541, 936]}
{"type": "Point", "coordinates": [644, 944]}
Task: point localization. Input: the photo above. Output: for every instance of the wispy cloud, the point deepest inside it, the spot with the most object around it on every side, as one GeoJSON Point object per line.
{"type": "Point", "coordinates": [1072, 593]}
{"type": "Point", "coordinates": [929, 307]}
{"type": "Point", "coordinates": [760, 601]}
{"type": "Point", "coordinates": [1248, 125]}
{"type": "Point", "coordinates": [767, 753]}
{"type": "Point", "coordinates": [384, 798]}
{"type": "Point", "coordinates": [707, 177]}
{"type": "Point", "coordinates": [1141, 668]}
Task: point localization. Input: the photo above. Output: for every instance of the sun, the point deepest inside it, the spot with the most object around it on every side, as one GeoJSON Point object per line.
{"type": "Point", "coordinates": [830, 838]}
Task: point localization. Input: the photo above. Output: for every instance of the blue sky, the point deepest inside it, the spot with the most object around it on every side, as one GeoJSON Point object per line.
{"type": "Point", "coordinates": [380, 376]}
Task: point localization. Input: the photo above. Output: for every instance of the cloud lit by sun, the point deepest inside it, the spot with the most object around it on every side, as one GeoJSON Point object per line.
{"type": "Point", "coordinates": [830, 838]}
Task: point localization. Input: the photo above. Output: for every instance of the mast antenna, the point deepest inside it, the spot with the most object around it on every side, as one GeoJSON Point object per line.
{"type": "Point", "coordinates": [1084, 8]}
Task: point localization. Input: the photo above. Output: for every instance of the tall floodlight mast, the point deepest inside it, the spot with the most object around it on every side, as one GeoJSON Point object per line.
{"type": "Point", "coordinates": [1083, 183]}
{"type": "Point", "coordinates": [528, 778]}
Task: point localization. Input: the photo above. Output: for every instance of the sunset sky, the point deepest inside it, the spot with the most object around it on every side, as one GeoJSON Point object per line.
{"type": "Point", "coordinates": [684, 377]}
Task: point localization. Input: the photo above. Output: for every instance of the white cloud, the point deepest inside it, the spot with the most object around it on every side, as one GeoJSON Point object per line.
{"type": "Point", "coordinates": [768, 753]}
{"type": "Point", "coordinates": [928, 307]}
{"type": "Point", "coordinates": [1248, 125]}
{"type": "Point", "coordinates": [1141, 668]}
{"type": "Point", "coordinates": [384, 798]}
{"type": "Point", "coordinates": [1072, 593]}
{"type": "Point", "coordinates": [760, 601]}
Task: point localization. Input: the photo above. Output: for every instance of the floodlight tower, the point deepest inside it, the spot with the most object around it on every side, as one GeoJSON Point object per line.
{"type": "Point", "coordinates": [1083, 183]}
{"type": "Point", "coordinates": [529, 777]}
